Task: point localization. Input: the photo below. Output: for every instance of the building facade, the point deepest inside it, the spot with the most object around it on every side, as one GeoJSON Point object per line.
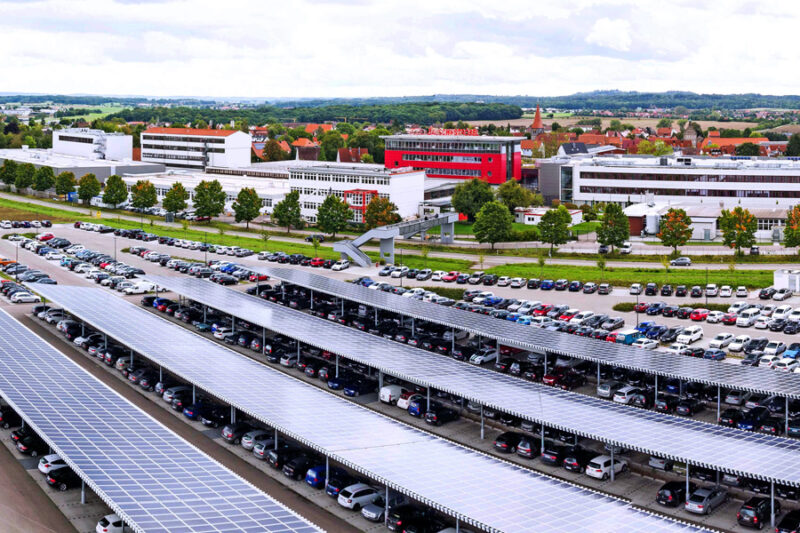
{"type": "Point", "coordinates": [196, 149]}
{"type": "Point", "coordinates": [79, 166]}
{"type": "Point", "coordinates": [93, 144]}
{"type": "Point", "coordinates": [492, 159]}
{"type": "Point", "coordinates": [357, 184]}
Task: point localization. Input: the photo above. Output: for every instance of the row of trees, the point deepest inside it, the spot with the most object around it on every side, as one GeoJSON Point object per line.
{"type": "Point", "coordinates": [470, 197]}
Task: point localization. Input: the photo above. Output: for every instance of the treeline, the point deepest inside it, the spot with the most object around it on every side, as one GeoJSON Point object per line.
{"type": "Point", "coordinates": [95, 100]}
{"type": "Point", "coordinates": [76, 112]}
{"type": "Point", "coordinates": [415, 113]}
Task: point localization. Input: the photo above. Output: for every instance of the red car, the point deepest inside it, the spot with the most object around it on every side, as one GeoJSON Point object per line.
{"type": "Point", "coordinates": [555, 376]}
{"type": "Point", "coordinates": [509, 350]}
{"type": "Point", "coordinates": [641, 307]}
{"type": "Point", "coordinates": [542, 310]}
{"type": "Point", "coordinates": [317, 262]}
{"type": "Point", "coordinates": [45, 237]}
{"type": "Point", "coordinates": [699, 314]}
{"type": "Point", "coordinates": [258, 277]}
{"type": "Point", "coordinates": [611, 337]}
{"type": "Point", "coordinates": [568, 314]}
{"type": "Point", "coordinates": [729, 319]}
{"type": "Point", "coordinates": [450, 276]}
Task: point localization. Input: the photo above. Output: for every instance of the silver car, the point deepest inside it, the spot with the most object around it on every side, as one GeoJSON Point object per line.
{"type": "Point", "coordinates": [250, 438]}
{"type": "Point", "coordinates": [608, 389]}
{"type": "Point", "coordinates": [705, 500]}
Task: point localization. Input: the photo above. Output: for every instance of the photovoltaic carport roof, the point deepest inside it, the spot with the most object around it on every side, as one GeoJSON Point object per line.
{"type": "Point", "coordinates": [745, 453]}
{"type": "Point", "coordinates": [442, 474]}
{"type": "Point", "coordinates": [153, 479]}
{"type": "Point", "coordinates": [754, 379]}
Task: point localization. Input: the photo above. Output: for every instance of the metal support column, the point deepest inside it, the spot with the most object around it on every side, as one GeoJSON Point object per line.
{"type": "Point", "coordinates": [83, 492]}
{"type": "Point", "coordinates": [298, 353]}
{"type": "Point", "coordinates": [283, 291]}
{"type": "Point", "coordinates": [105, 341]}
{"type": "Point", "coordinates": [205, 314]}
{"type": "Point", "coordinates": [453, 341]}
{"type": "Point", "coordinates": [233, 415]}
{"type": "Point", "coordinates": [541, 446]}
{"type": "Point", "coordinates": [83, 330]}
{"type": "Point", "coordinates": [458, 524]}
{"type": "Point", "coordinates": [612, 463]}
{"type": "Point", "coordinates": [545, 362]}
{"type": "Point", "coordinates": [160, 374]}
{"type": "Point", "coordinates": [428, 408]}
{"type": "Point", "coordinates": [194, 397]}
{"type": "Point", "coordinates": [263, 340]}
{"type": "Point", "coordinates": [233, 324]}
{"type": "Point", "coordinates": [772, 504]}
{"type": "Point", "coordinates": [413, 328]}
{"type": "Point", "coordinates": [380, 380]}
{"type": "Point", "coordinates": [276, 440]}
{"type": "Point", "coordinates": [656, 389]}
{"type": "Point", "coordinates": [337, 365]}
{"type": "Point", "coordinates": [786, 417]}
{"type": "Point", "coordinates": [717, 480]}
{"type": "Point", "coordinates": [687, 481]}
{"type": "Point", "coordinates": [376, 316]}
{"type": "Point", "coordinates": [342, 306]}
{"type": "Point", "coordinates": [719, 399]}
{"type": "Point", "coordinates": [386, 504]}
{"type": "Point", "coordinates": [311, 300]}
{"type": "Point", "coordinates": [131, 357]}
{"type": "Point", "coordinates": [327, 469]}
{"type": "Point", "coordinates": [598, 374]}
{"type": "Point", "coordinates": [482, 424]}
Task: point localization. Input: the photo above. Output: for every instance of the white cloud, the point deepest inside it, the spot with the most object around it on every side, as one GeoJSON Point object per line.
{"type": "Point", "coordinates": [614, 34]}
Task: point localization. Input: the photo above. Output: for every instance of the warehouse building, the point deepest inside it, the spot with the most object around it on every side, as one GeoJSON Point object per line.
{"type": "Point", "coordinates": [78, 165]}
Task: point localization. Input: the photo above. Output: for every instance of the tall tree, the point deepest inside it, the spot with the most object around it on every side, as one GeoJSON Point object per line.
{"type": "Point", "coordinates": [664, 123]}
{"type": "Point", "coordinates": [614, 229]}
{"type": "Point", "coordinates": [791, 234]}
{"type": "Point", "coordinates": [330, 144]}
{"type": "Point", "coordinates": [469, 197]}
{"type": "Point", "coordinates": [287, 211]}
{"type": "Point", "coordinates": [143, 194]}
{"type": "Point", "coordinates": [676, 229]}
{"type": "Point", "coordinates": [514, 195]}
{"type": "Point", "coordinates": [88, 187]}
{"type": "Point", "coordinates": [8, 172]}
{"type": "Point", "coordinates": [175, 199]}
{"type": "Point", "coordinates": [209, 199]}
{"type": "Point", "coordinates": [554, 226]}
{"type": "Point", "coordinates": [25, 174]}
{"type": "Point", "coordinates": [493, 223]}
{"type": "Point", "coordinates": [380, 212]}
{"type": "Point", "coordinates": [65, 183]}
{"type": "Point", "coordinates": [793, 147]}
{"type": "Point", "coordinates": [656, 148]}
{"type": "Point", "coordinates": [333, 215]}
{"type": "Point", "coordinates": [44, 179]}
{"type": "Point", "coordinates": [273, 151]}
{"type": "Point", "coordinates": [247, 206]}
{"type": "Point", "coordinates": [116, 191]}
{"type": "Point", "coordinates": [749, 149]}
{"type": "Point", "coordinates": [738, 228]}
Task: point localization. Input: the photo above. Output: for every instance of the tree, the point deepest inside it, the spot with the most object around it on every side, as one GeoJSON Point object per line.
{"type": "Point", "coordinates": [333, 215]}
{"type": "Point", "coordinates": [656, 148]}
{"type": "Point", "coordinates": [330, 144]}
{"type": "Point", "coordinates": [247, 206]}
{"type": "Point", "coordinates": [614, 229]}
{"type": "Point", "coordinates": [44, 179]}
{"type": "Point", "coordinates": [380, 212]}
{"type": "Point", "coordinates": [469, 197]}
{"type": "Point", "coordinates": [287, 211]}
{"type": "Point", "coordinates": [8, 172]}
{"type": "Point", "coordinates": [514, 195]}
{"type": "Point", "coordinates": [554, 226]}
{"type": "Point", "coordinates": [209, 199]}
{"type": "Point", "coordinates": [748, 148]}
{"type": "Point", "coordinates": [176, 197]}
{"type": "Point", "coordinates": [367, 158]}
{"type": "Point", "coordinates": [675, 229]}
{"type": "Point", "coordinates": [25, 174]}
{"type": "Point", "coordinates": [493, 223]}
{"type": "Point", "coordinates": [273, 151]}
{"type": "Point", "coordinates": [664, 123]}
{"type": "Point", "coordinates": [143, 194]}
{"type": "Point", "coordinates": [116, 191]}
{"type": "Point", "coordinates": [738, 228]}
{"type": "Point", "coordinates": [792, 149]}
{"type": "Point", "coordinates": [88, 187]}
{"type": "Point", "coordinates": [65, 183]}
{"type": "Point", "coordinates": [791, 234]}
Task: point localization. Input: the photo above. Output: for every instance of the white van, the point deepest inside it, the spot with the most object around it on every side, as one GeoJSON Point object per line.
{"type": "Point", "coordinates": [140, 287]}
{"type": "Point", "coordinates": [748, 317]}
{"type": "Point", "coordinates": [541, 321]}
{"type": "Point", "coordinates": [391, 393]}
{"type": "Point", "coordinates": [690, 335]}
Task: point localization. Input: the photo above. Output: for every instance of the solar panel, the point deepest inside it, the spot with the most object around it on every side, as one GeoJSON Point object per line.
{"type": "Point", "coordinates": [754, 379]}
{"type": "Point", "coordinates": [748, 454]}
{"type": "Point", "coordinates": [444, 475]}
{"type": "Point", "coordinates": [153, 479]}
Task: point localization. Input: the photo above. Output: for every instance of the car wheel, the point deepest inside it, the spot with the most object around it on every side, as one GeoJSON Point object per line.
{"type": "Point", "coordinates": [605, 477]}
{"type": "Point", "coordinates": [63, 487]}
{"type": "Point", "coordinates": [513, 449]}
{"type": "Point", "coordinates": [237, 441]}
{"type": "Point", "coordinates": [357, 507]}
{"type": "Point", "coordinates": [624, 468]}
{"type": "Point", "coordinates": [34, 453]}
{"type": "Point", "coordinates": [6, 425]}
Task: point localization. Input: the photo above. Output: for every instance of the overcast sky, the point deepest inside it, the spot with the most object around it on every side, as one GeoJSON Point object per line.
{"type": "Point", "coordinates": [327, 48]}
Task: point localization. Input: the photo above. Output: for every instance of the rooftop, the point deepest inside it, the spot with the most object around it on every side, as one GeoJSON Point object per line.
{"type": "Point", "coordinates": [676, 162]}
{"type": "Point", "coordinates": [465, 138]}
{"type": "Point", "coordinates": [192, 131]}
{"type": "Point", "coordinates": [355, 168]}
{"type": "Point", "coordinates": [46, 157]}
{"type": "Point", "coordinates": [190, 179]}
{"type": "Point", "coordinates": [90, 132]}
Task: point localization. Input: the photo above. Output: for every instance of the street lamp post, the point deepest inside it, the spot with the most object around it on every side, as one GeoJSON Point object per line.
{"type": "Point", "coordinates": [706, 289]}
{"type": "Point", "coordinates": [16, 260]}
{"type": "Point", "coordinates": [637, 308]}
{"type": "Point", "coordinates": [115, 248]}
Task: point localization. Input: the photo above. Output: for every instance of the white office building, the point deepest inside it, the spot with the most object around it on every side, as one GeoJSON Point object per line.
{"type": "Point", "coordinates": [719, 182]}
{"type": "Point", "coordinates": [196, 149]}
{"type": "Point", "coordinates": [357, 185]}
{"type": "Point", "coordinates": [79, 166]}
{"type": "Point", "coordinates": [93, 144]}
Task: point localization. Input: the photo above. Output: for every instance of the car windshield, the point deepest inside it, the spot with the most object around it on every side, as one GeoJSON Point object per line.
{"type": "Point", "coordinates": [747, 511]}
{"type": "Point", "coordinates": [594, 465]}
{"type": "Point", "coordinates": [346, 493]}
{"type": "Point", "coordinates": [697, 498]}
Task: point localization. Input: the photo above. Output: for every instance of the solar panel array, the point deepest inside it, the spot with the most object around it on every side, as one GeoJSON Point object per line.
{"type": "Point", "coordinates": [153, 479]}
{"type": "Point", "coordinates": [477, 489]}
{"type": "Point", "coordinates": [748, 454]}
{"type": "Point", "coordinates": [754, 379]}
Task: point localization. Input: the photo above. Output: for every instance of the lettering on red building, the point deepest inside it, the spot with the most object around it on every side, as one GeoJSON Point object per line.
{"type": "Point", "coordinates": [443, 131]}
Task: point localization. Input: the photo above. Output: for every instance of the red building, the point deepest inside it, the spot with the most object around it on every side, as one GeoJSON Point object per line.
{"type": "Point", "coordinates": [492, 159]}
{"type": "Point", "coordinates": [358, 200]}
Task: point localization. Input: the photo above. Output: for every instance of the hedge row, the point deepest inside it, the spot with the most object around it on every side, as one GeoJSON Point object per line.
{"type": "Point", "coordinates": [627, 307]}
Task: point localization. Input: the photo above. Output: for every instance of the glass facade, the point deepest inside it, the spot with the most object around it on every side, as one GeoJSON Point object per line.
{"type": "Point", "coordinates": [566, 184]}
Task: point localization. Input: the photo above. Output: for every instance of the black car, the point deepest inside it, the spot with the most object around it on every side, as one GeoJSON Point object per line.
{"type": "Point", "coordinates": [9, 417]}
{"type": "Point", "coordinates": [643, 399]}
{"type": "Point", "coordinates": [63, 479]}
{"type": "Point", "coordinates": [680, 290]}
{"type": "Point", "coordinates": [730, 417]}
{"type": "Point", "coordinates": [438, 414]}
{"type": "Point", "coordinates": [554, 454]}
{"type": "Point", "coordinates": [318, 236]}
{"type": "Point", "coordinates": [651, 289]}
{"type": "Point", "coordinates": [401, 515]}
{"type": "Point", "coordinates": [297, 466]}
{"type": "Point", "coordinates": [534, 283]}
{"type": "Point", "coordinates": [666, 403]}
{"type": "Point", "coordinates": [789, 523]}
{"type": "Point", "coordinates": [31, 444]}
{"type": "Point", "coordinates": [673, 493]}
{"type": "Point", "coordinates": [756, 511]}
{"type": "Point", "coordinates": [671, 334]}
{"type": "Point", "coordinates": [576, 458]}
{"type": "Point", "coordinates": [696, 292]}
{"type": "Point", "coordinates": [777, 324]}
{"type": "Point", "coordinates": [575, 286]}
{"type": "Point", "coordinates": [791, 328]}
{"type": "Point", "coordinates": [508, 442]}
{"type": "Point", "coordinates": [766, 294]}
{"type": "Point", "coordinates": [666, 290]}
{"type": "Point", "coordinates": [684, 312]}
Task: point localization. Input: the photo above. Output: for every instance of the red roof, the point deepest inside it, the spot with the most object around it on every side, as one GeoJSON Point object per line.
{"type": "Point", "coordinates": [351, 155]}
{"type": "Point", "coordinates": [302, 141]}
{"type": "Point", "coordinates": [537, 120]}
{"type": "Point", "coordinates": [192, 131]}
{"type": "Point", "coordinates": [311, 128]}
{"type": "Point", "coordinates": [732, 141]}
{"type": "Point", "coordinates": [285, 146]}
{"type": "Point", "coordinates": [664, 132]}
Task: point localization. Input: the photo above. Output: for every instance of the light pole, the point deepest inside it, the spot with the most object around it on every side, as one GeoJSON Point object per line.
{"type": "Point", "coordinates": [706, 290]}
{"type": "Point", "coordinates": [637, 308]}
{"type": "Point", "coordinates": [115, 248]}
{"type": "Point", "coordinates": [16, 260]}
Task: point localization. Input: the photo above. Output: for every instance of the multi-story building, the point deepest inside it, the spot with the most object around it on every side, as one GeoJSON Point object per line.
{"type": "Point", "coordinates": [357, 184]}
{"type": "Point", "coordinates": [196, 148]}
{"type": "Point", "coordinates": [492, 159]}
{"type": "Point", "coordinates": [721, 182]}
{"type": "Point", "coordinates": [93, 144]}
{"type": "Point", "coordinates": [79, 166]}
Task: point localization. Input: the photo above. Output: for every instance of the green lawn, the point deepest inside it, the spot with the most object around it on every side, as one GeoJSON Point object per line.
{"type": "Point", "coordinates": [586, 227]}
{"type": "Point", "coordinates": [105, 110]}
{"type": "Point", "coordinates": [626, 276]}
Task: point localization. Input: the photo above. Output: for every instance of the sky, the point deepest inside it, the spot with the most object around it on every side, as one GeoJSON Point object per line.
{"type": "Point", "coordinates": [357, 48]}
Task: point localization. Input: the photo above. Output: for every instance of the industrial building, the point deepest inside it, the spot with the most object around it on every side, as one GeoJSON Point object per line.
{"type": "Point", "coordinates": [196, 149]}
{"type": "Point", "coordinates": [93, 144]}
{"type": "Point", "coordinates": [78, 165]}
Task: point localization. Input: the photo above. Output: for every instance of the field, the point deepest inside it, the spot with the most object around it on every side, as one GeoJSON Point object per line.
{"type": "Point", "coordinates": [638, 122]}
{"type": "Point", "coordinates": [11, 213]}
{"type": "Point", "coordinates": [105, 110]}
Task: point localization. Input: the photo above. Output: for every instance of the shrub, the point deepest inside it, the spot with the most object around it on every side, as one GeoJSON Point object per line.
{"type": "Point", "coordinates": [447, 292]}
{"type": "Point", "coordinates": [627, 307]}
{"type": "Point", "coordinates": [531, 234]}
{"type": "Point", "coordinates": [624, 307]}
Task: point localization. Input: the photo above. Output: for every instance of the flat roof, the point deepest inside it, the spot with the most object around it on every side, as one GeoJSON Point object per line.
{"type": "Point", "coordinates": [745, 453]}
{"type": "Point", "coordinates": [353, 435]}
{"type": "Point", "coordinates": [152, 478]}
{"type": "Point", "coordinates": [755, 379]}
{"type": "Point", "coordinates": [46, 157]}
{"type": "Point", "coordinates": [459, 138]}
{"type": "Point", "coordinates": [685, 163]}
{"type": "Point", "coordinates": [229, 183]}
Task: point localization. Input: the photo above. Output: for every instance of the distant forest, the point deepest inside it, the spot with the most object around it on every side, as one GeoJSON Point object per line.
{"type": "Point", "coordinates": [94, 100]}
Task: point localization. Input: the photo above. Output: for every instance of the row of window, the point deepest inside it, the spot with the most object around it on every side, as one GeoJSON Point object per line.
{"type": "Point", "coordinates": [702, 178]}
{"type": "Point", "coordinates": [174, 156]}
{"type": "Point", "coordinates": [250, 172]}
{"type": "Point", "coordinates": [437, 158]}
{"type": "Point", "coordinates": [474, 173]}
{"type": "Point", "coordinates": [71, 139]}
{"type": "Point", "coordinates": [306, 191]}
{"type": "Point", "coordinates": [335, 178]}
{"type": "Point", "coordinates": [444, 146]}
{"type": "Point", "coordinates": [588, 189]}
{"type": "Point", "coordinates": [161, 192]}
{"type": "Point", "coordinates": [183, 148]}
{"type": "Point", "coordinates": [193, 139]}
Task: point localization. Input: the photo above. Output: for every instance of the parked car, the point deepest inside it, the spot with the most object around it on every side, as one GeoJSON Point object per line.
{"type": "Point", "coordinates": [706, 499]}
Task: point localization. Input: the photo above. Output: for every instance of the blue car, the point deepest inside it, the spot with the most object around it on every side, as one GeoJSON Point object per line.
{"type": "Point", "coordinates": [792, 351]}
{"type": "Point", "coordinates": [359, 387]}
{"type": "Point", "coordinates": [493, 301]}
{"type": "Point", "coordinates": [417, 408]}
{"type": "Point", "coordinates": [161, 301]}
{"type": "Point", "coordinates": [644, 327]}
{"type": "Point", "coordinates": [753, 419]}
{"type": "Point", "coordinates": [547, 285]}
{"type": "Point", "coordinates": [339, 383]}
{"type": "Point", "coordinates": [196, 410]}
{"type": "Point", "coordinates": [315, 476]}
{"type": "Point", "coordinates": [525, 320]}
{"type": "Point", "coordinates": [714, 355]}
{"type": "Point", "coordinates": [513, 317]}
{"type": "Point", "coordinates": [656, 308]}
{"type": "Point", "coordinates": [655, 332]}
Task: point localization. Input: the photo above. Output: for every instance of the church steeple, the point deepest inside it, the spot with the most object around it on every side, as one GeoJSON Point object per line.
{"type": "Point", "coordinates": [537, 127]}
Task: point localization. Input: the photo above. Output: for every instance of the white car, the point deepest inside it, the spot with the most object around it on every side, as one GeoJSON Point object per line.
{"type": "Point", "coordinates": [721, 340]}
{"type": "Point", "coordinates": [437, 275]}
{"type": "Point", "coordinates": [690, 335]}
{"type": "Point", "coordinates": [357, 496]}
{"type": "Point", "coordinates": [416, 292]}
{"type": "Point", "coordinates": [714, 317]}
{"type": "Point", "coordinates": [645, 344]}
{"type": "Point", "coordinates": [399, 272]}
{"type": "Point", "coordinates": [794, 316]}
{"type": "Point", "coordinates": [6, 224]}
{"type": "Point", "coordinates": [600, 467]}
{"type": "Point", "coordinates": [541, 321]}
{"type": "Point", "coordinates": [83, 267]}
{"type": "Point", "coordinates": [580, 317]}
{"type": "Point", "coordinates": [518, 283]}
{"type": "Point", "coordinates": [24, 298]}
{"type": "Point", "coordinates": [762, 322]}
{"type": "Point", "coordinates": [676, 348]}
{"type": "Point", "coordinates": [636, 288]}
{"type": "Point", "coordinates": [742, 292]}
{"type": "Point", "coordinates": [774, 348]}
{"type": "Point", "coordinates": [54, 256]}
{"type": "Point", "coordinates": [503, 281]}
{"type": "Point", "coordinates": [483, 356]}
{"type": "Point", "coordinates": [111, 523]}
{"type": "Point", "coordinates": [725, 291]}
{"type": "Point", "coordinates": [480, 298]}
{"type": "Point", "coordinates": [711, 289]}
{"type": "Point", "coordinates": [391, 393]}
{"type": "Point", "coordinates": [51, 462]}
{"type": "Point", "coordinates": [341, 265]}
{"type": "Point", "coordinates": [737, 306]}
{"type": "Point", "coordinates": [403, 402]}
{"type": "Point", "coordinates": [738, 344]}
{"type": "Point", "coordinates": [782, 294]}
{"type": "Point", "coordinates": [782, 311]}
{"type": "Point", "coordinates": [141, 287]}
{"type": "Point", "coordinates": [768, 361]}
{"type": "Point", "coordinates": [787, 364]}
{"type": "Point", "coordinates": [625, 394]}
